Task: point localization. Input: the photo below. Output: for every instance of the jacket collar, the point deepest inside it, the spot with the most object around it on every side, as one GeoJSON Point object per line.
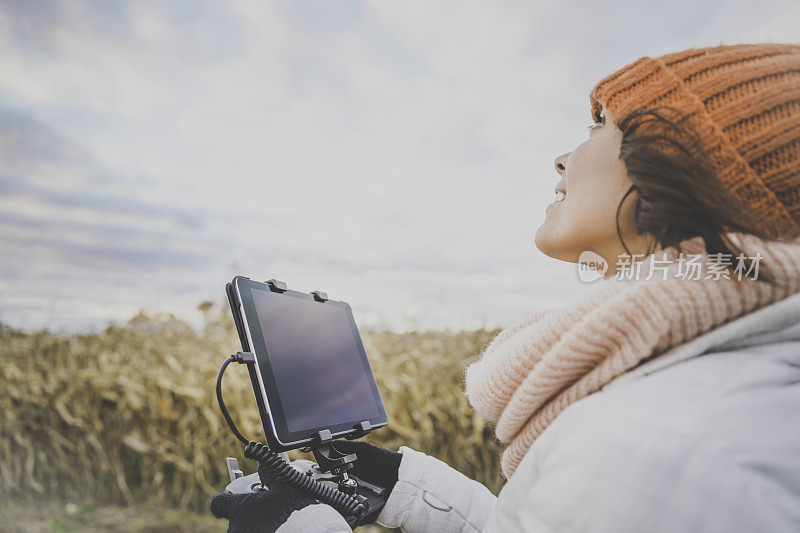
{"type": "Point", "coordinates": [768, 324]}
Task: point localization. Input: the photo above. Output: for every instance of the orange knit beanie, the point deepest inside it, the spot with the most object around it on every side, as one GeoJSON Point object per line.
{"type": "Point", "coordinates": [743, 101]}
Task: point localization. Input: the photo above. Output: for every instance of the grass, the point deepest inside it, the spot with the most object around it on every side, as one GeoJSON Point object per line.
{"type": "Point", "coordinates": [127, 417]}
{"type": "Point", "coordinates": [29, 515]}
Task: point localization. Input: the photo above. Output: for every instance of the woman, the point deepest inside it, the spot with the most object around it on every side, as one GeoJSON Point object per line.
{"type": "Point", "coordinates": [668, 398]}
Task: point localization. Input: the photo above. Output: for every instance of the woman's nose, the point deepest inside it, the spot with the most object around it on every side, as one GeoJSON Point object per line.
{"type": "Point", "coordinates": [561, 163]}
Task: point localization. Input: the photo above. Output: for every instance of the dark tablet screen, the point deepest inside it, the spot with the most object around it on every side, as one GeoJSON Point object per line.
{"type": "Point", "coordinates": [312, 363]}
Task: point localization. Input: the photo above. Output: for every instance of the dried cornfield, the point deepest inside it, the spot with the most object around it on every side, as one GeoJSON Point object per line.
{"type": "Point", "coordinates": [129, 413]}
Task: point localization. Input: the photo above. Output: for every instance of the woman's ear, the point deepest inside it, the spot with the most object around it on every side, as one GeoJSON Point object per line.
{"type": "Point", "coordinates": [632, 241]}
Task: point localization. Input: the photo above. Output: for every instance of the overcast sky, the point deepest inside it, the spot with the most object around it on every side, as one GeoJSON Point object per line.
{"type": "Point", "coordinates": [397, 154]}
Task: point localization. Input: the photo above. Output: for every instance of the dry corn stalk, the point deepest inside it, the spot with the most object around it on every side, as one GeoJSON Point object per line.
{"type": "Point", "coordinates": [129, 413]}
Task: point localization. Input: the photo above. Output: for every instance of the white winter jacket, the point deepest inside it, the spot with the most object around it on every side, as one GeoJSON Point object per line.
{"type": "Point", "coordinates": [704, 438]}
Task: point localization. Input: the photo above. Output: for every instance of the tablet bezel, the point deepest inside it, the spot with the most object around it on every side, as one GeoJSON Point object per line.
{"type": "Point", "coordinates": [281, 436]}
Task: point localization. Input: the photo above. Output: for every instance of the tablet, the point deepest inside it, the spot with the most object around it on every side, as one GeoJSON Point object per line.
{"type": "Point", "coordinates": [311, 371]}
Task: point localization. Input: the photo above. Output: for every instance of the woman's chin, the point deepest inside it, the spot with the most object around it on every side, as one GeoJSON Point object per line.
{"type": "Point", "coordinates": [551, 244]}
{"type": "Point", "coordinates": [545, 240]}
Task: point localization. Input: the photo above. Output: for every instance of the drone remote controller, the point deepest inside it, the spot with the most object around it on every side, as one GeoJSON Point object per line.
{"type": "Point", "coordinates": [373, 496]}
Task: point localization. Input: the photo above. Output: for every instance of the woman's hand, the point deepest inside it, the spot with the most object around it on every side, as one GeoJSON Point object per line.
{"type": "Point", "coordinates": [267, 510]}
{"type": "Point", "coordinates": [374, 464]}
{"type": "Point", "coordinates": [262, 511]}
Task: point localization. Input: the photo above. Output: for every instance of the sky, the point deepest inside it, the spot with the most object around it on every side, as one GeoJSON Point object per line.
{"type": "Point", "coordinates": [398, 155]}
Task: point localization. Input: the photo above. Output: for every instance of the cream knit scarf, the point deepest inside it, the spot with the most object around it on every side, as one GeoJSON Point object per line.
{"type": "Point", "coordinates": [544, 362]}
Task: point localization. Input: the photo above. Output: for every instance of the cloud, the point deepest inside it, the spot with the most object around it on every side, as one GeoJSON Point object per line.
{"type": "Point", "coordinates": [398, 155]}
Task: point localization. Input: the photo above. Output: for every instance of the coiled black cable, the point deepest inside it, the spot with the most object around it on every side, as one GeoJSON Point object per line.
{"type": "Point", "coordinates": [344, 503]}
{"type": "Point", "coordinates": [272, 462]}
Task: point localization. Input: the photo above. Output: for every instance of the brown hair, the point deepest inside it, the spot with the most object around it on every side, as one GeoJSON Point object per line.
{"type": "Point", "coordinates": [680, 196]}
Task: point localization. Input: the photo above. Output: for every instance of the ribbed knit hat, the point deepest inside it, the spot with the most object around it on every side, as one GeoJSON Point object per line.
{"type": "Point", "coordinates": [743, 101]}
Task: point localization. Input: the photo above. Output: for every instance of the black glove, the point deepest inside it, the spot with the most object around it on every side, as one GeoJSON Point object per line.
{"type": "Point", "coordinates": [375, 464]}
{"type": "Point", "coordinates": [260, 512]}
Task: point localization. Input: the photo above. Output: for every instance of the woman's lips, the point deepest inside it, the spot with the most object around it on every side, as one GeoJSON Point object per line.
{"type": "Point", "coordinates": [560, 191]}
{"type": "Point", "coordinates": [553, 203]}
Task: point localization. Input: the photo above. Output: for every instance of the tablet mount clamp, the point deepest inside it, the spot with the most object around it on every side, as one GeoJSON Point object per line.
{"type": "Point", "coordinates": [327, 480]}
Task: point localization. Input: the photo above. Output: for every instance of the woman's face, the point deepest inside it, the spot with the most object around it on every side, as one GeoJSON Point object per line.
{"type": "Point", "coordinates": [583, 215]}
